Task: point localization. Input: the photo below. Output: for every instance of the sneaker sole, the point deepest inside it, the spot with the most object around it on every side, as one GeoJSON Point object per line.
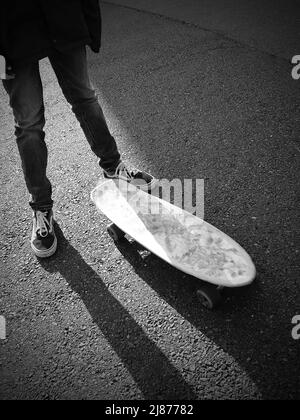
{"type": "Point", "coordinates": [47, 253]}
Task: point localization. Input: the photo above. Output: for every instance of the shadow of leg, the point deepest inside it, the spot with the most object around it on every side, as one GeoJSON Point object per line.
{"type": "Point", "coordinates": [156, 377]}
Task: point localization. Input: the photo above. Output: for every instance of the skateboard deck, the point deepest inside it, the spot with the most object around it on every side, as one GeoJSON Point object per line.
{"type": "Point", "coordinates": [181, 239]}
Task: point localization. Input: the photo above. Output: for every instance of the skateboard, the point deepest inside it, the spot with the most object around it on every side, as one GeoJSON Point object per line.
{"type": "Point", "coordinates": [5, 70]}
{"type": "Point", "coordinates": [183, 240]}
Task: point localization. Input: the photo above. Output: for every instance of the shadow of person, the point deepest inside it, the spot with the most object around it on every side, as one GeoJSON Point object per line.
{"type": "Point", "coordinates": [242, 337]}
{"type": "Point", "coordinates": [155, 376]}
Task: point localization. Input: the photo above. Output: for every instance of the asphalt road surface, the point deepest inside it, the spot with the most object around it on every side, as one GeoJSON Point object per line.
{"type": "Point", "coordinates": [186, 96]}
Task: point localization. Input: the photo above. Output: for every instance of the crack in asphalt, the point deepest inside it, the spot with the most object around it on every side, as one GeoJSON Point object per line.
{"type": "Point", "coordinates": [197, 26]}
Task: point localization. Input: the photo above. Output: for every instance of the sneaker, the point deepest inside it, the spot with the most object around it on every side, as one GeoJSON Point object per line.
{"type": "Point", "coordinates": [138, 178]}
{"type": "Point", "coordinates": [43, 240]}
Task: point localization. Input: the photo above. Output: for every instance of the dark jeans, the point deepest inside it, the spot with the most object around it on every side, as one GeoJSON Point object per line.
{"type": "Point", "coordinates": [26, 100]}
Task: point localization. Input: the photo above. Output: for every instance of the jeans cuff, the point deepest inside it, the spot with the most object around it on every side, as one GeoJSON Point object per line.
{"type": "Point", "coordinates": [41, 206]}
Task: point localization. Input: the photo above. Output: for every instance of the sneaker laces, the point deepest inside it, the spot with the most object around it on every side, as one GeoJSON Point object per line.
{"type": "Point", "coordinates": [122, 169]}
{"type": "Point", "coordinates": [43, 225]}
{"type": "Point", "coordinates": [130, 175]}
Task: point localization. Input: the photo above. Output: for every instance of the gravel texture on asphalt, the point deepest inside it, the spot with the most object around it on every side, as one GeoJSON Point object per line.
{"type": "Point", "coordinates": [112, 322]}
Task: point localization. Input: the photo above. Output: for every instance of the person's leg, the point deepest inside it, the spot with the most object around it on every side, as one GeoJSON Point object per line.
{"type": "Point", "coordinates": [26, 100]}
{"type": "Point", "coordinates": [71, 69]}
{"type": "Point", "coordinates": [72, 73]}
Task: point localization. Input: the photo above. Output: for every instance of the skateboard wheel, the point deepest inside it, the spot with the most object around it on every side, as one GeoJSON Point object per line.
{"type": "Point", "coordinates": [209, 297]}
{"type": "Point", "coordinates": [115, 233]}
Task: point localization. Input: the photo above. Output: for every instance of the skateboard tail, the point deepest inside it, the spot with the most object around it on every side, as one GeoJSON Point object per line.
{"type": "Point", "coordinates": [222, 277]}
